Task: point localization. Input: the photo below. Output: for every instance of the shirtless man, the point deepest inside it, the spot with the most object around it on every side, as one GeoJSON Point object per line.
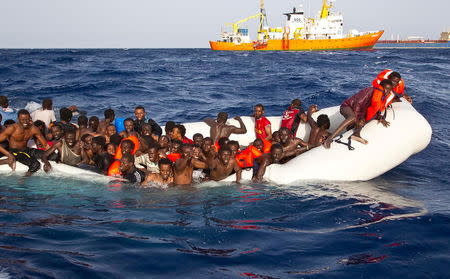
{"type": "Point", "coordinates": [94, 122]}
{"type": "Point", "coordinates": [234, 147]}
{"type": "Point", "coordinates": [208, 148]}
{"type": "Point", "coordinates": [102, 158]}
{"type": "Point", "coordinates": [163, 145]}
{"type": "Point", "coordinates": [184, 166]}
{"type": "Point", "coordinates": [219, 128]}
{"type": "Point", "coordinates": [69, 148]}
{"type": "Point", "coordinates": [224, 165]}
{"type": "Point", "coordinates": [56, 133]}
{"type": "Point", "coordinates": [18, 136]}
{"type": "Point", "coordinates": [289, 142]}
{"type": "Point", "coordinates": [165, 175]}
{"type": "Point", "coordinates": [129, 129]}
{"type": "Point", "coordinates": [276, 137]}
{"type": "Point", "coordinates": [109, 118]}
{"type": "Point", "coordinates": [110, 130]}
{"type": "Point", "coordinates": [275, 156]}
{"type": "Point", "coordinates": [83, 128]}
{"type": "Point", "coordinates": [319, 130]}
{"type": "Point", "coordinates": [86, 144]}
{"type": "Point", "coordinates": [198, 139]}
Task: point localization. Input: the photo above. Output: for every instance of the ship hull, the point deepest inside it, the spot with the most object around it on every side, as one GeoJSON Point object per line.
{"type": "Point", "coordinates": [364, 42]}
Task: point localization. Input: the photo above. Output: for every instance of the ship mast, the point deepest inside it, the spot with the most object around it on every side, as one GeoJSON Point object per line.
{"type": "Point", "coordinates": [262, 17]}
{"type": "Point", "coordinates": [325, 9]}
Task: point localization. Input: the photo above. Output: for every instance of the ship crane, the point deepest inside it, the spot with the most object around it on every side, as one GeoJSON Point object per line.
{"type": "Point", "coordinates": [235, 25]}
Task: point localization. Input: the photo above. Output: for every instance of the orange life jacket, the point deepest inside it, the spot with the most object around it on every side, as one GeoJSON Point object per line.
{"type": "Point", "coordinates": [267, 145]}
{"type": "Point", "coordinates": [379, 103]}
{"type": "Point", "coordinates": [114, 169]}
{"type": "Point", "coordinates": [247, 156]}
{"type": "Point", "coordinates": [217, 146]}
{"type": "Point", "coordinates": [399, 89]}
{"type": "Point", "coordinates": [135, 140]}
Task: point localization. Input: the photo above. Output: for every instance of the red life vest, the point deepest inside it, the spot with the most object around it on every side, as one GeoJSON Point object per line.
{"type": "Point", "coordinates": [174, 157]}
{"type": "Point", "coordinates": [187, 140]}
{"type": "Point", "coordinates": [288, 117]}
{"type": "Point", "coordinates": [399, 89]}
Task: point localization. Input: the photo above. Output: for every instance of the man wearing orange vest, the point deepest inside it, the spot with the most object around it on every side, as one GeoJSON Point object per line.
{"type": "Point", "coordinates": [397, 81]}
{"type": "Point", "coordinates": [355, 108]}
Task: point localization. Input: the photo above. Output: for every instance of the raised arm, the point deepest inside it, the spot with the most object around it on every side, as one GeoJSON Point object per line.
{"type": "Point", "coordinates": [242, 129]}
{"type": "Point", "coordinates": [209, 121]}
{"type": "Point", "coordinates": [312, 109]}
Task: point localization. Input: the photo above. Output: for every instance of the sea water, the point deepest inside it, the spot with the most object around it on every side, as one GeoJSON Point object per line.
{"type": "Point", "coordinates": [394, 226]}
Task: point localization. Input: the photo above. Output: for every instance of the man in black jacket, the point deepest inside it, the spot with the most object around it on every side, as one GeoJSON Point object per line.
{"type": "Point", "coordinates": [139, 112]}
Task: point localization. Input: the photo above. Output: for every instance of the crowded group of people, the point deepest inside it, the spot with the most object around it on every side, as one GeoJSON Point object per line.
{"type": "Point", "coordinates": [139, 151]}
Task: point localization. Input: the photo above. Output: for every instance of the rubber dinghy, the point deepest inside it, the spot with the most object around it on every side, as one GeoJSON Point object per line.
{"type": "Point", "coordinates": [60, 170]}
{"type": "Point", "coordinates": [409, 133]}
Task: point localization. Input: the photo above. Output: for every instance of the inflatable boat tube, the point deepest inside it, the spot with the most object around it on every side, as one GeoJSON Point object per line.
{"type": "Point", "coordinates": [408, 133]}
{"type": "Point", "coordinates": [59, 170]}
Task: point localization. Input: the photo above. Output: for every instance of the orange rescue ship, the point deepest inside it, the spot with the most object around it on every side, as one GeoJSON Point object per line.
{"type": "Point", "coordinates": [299, 34]}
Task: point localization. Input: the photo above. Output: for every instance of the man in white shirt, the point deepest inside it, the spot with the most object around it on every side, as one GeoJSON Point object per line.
{"type": "Point", "coordinates": [46, 113]}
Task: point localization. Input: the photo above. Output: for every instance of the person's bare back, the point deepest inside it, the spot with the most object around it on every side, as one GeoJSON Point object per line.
{"type": "Point", "coordinates": [220, 129]}
{"type": "Point", "coordinates": [319, 132]}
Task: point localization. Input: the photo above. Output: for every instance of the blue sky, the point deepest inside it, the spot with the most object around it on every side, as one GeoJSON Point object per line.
{"type": "Point", "coordinates": [182, 23]}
